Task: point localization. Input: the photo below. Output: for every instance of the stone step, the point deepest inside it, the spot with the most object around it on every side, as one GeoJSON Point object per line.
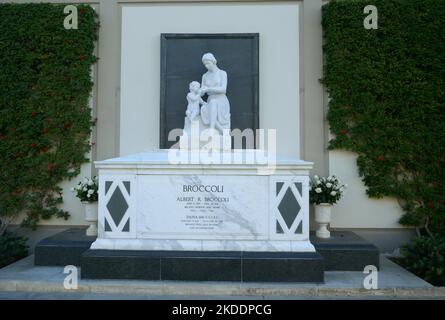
{"type": "Point", "coordinates": [203, 266]}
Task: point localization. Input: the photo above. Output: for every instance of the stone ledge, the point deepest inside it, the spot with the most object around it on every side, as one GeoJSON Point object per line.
{"type": "Point", "coordinates": [346, 251]}
{"type": "Point", "coordinates": [64, 248]}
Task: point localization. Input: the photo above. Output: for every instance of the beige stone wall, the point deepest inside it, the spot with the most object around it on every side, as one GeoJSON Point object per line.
{"type": "Point", "coordinates": [277, 25]}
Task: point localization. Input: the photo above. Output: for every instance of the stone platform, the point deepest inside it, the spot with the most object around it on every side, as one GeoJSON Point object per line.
{"type": "Point", "coordinates": [62, 249]}
{"type": "Point", "coordinates": [24, 280]}
{"type": "Point", "coordinates": [344, 251]}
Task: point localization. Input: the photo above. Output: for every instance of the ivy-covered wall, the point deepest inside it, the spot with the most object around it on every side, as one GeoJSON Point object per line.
{"type": "Point", "coordinates": [387, 100]}
{"type": "Point", "coordinates": [45, 119]}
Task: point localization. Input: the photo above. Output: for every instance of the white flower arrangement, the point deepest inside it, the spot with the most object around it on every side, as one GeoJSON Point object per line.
{"type": "Point", "coordinates": [326, 190]}
{"type": "Point", "coordinates": [86, 190]}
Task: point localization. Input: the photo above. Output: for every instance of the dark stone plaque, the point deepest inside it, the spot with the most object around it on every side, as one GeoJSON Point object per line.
{"type": "Point", "coordinates": [181, 54]}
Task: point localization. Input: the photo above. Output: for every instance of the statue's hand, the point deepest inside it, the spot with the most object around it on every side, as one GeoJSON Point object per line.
{"type": "Point", "coordinates": [204, 90]}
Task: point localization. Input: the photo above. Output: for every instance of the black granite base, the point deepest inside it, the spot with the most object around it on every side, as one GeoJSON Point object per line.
{"type": "Point", "coordinates": [203, 266]}
{"type": "Point", "coordinates": [346, 251]}
{"type": "Point", "coordinates": [62, 249]}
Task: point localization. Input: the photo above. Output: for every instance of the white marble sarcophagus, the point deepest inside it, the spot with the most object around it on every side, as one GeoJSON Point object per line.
{"type": "Point", "coordinates": [146, 202]}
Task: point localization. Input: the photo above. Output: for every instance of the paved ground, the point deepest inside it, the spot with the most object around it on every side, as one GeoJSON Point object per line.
{"type": "Point", "coordinates": [98, 296]}
{"type": "Point", "coordinates": [23, 280]}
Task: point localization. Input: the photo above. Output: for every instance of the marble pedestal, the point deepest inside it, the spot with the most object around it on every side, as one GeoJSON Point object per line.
{"type": "Point", "coordinates": [149, 202]}
{"type": "Point", "coordinates": [229, 216]}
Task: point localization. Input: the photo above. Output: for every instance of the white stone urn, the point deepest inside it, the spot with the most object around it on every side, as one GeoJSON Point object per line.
{"type": "Point", "coordinates": [323, 218]}
{"type": "Point", "coordinates": [91, 212]}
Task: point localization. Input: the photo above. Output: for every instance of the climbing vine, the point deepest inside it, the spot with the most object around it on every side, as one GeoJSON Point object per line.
{"type": "Point", "coordinates": [387, 101]}
{"type": "Point", "coordinates": [45, 119]}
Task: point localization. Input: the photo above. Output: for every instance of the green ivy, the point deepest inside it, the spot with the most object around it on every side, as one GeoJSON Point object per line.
{"type": "Point", "coordinates": [387, 101]}
{"type": "Point", "coordinates": [12, 248]}
{"type": "Point", "coordinates": [425, 257]}
{"type": "Point", "coordinates": [45, 119]}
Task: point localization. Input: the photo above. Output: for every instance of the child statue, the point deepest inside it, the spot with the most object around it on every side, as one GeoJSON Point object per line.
{"type": "Point", "coordinates": [194, 100]}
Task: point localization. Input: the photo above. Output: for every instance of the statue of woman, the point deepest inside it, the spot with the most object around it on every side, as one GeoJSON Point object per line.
{"type": "Point", "coordinates": [216, 113]}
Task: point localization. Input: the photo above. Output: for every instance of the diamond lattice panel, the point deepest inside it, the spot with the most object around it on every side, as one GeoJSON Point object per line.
{"type": "Point", "coordinates": [117, 206]}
